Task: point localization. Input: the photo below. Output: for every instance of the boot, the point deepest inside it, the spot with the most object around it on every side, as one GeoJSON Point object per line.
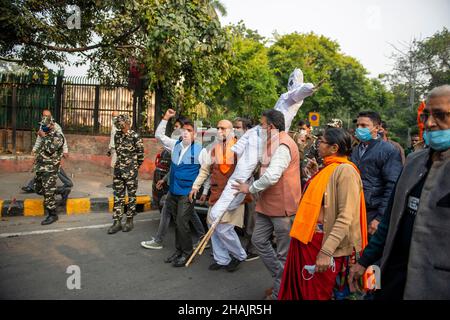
{"type": "Point", "coordinates": [116, 227]}
{"type": "Point", "coordinates": [128, 225]}
{"type": "Point", "coordinates": [50, 218]}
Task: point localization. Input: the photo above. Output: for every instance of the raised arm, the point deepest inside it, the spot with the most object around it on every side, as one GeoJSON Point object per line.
{"type": "Point", "coordinates": [160, 134]}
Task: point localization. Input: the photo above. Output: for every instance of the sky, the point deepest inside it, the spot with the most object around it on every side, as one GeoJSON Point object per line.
{"type": "Point", "coordinates": [364, 29]}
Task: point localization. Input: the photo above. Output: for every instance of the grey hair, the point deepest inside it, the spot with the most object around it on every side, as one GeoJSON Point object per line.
{"type": "Point", "coordinates": [437, 92]}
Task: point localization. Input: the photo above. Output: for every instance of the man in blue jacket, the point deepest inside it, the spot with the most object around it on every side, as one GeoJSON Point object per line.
{"type": "Point", "coordinates": [380, 165]}
{"type": "Point", "coordinates": [184, 169]}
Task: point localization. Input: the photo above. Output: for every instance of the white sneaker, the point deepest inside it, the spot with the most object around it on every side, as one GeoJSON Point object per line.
{"type": "Point", "coordinates": [152, 244]}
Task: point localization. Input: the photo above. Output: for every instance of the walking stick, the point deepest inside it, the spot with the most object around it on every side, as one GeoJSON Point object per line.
{"type": "Point", "coordinates": [202, 244]}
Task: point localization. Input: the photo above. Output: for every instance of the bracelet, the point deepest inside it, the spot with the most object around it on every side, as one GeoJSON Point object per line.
{"type": "Point", "coordinates": [328, 255]}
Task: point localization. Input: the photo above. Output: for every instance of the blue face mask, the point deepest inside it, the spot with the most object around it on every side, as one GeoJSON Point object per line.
{"type": "Point", "coordinates": [438, 140]}
{"type": "Point", "coordinates": [45, 129]}
{"type": "Point", "coordinates": [363, 134]}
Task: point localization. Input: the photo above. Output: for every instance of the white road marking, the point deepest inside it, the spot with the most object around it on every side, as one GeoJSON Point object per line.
{"type": "Point", "coordinates": [39, 232]}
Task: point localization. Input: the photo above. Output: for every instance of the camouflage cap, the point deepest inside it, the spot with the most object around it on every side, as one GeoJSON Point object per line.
{"type": "Point", "coordinates": [47, 120]}
{"type": "Point", "coordinates": [335, 123]}
{"type": "Point", "coordinates": [120, 121]}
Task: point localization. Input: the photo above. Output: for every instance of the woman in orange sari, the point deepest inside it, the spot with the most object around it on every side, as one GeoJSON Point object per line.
{"type": "Point", "coordinates": [330, 224]}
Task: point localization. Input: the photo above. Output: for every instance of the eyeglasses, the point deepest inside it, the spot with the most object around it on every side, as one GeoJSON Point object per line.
{"type": "Point", "coordinates": [437, 115]}
{"type": "Point", "coordinates": [324, 142]}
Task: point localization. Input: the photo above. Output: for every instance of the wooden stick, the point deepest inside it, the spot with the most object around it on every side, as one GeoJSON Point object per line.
{"type": "Point", "coordinates": [200, 244]}
{"type": "Point", "coordinates": [204, 241]}
{"type": "Point", "coordinates": [207, 238]}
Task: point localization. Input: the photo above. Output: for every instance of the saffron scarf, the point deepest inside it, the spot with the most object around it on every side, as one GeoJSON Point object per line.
{"type": "Point", "coordinates": [224, 156]}
{"type": "Point", "coordinates": [308, 211]}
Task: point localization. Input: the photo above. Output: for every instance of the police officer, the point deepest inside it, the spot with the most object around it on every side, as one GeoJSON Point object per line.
{"type": "Point", "coordinates": [130, 155]}
{"type": "Point", "coordinates": [47, 163]}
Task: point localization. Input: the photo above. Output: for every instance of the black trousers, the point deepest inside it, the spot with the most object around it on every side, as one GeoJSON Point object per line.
{"type": "Point", "coordinates": [182, 211]}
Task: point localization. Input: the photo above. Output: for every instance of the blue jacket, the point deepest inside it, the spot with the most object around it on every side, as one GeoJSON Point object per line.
{"type": "Point", "coordinates": [380, 167]}
{"type": "Point", "coordinates": [183, 175]}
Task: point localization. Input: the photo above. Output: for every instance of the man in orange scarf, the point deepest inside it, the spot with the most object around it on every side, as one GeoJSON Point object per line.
{"type": "Point", "coordinates": [219, 163]}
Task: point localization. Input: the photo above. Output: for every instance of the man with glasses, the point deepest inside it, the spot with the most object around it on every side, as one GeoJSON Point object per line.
{"type": "Point", "coordinates": [219, 163]}
{"type": "Point", "coordinates": [413, 238]}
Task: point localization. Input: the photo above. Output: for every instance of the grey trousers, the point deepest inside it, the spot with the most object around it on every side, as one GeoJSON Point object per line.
{"type": "Point", "coordinates": [249, 223]}
{"type": "Point", "coordinates": [182, 210]}
{"type": "Point", "coordinates": [273, 260]}
{"type": "Point", "coordinates": [164, 222]}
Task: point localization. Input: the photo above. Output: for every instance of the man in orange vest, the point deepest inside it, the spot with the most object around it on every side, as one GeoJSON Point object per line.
{"type": "Point", "coordinates": [219, 163]}
{"type": "Point", "coordinates": [279, 195]}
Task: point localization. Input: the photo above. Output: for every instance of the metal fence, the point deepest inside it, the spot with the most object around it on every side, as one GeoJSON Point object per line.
{"type": "Point", "coordinates": [79, 104]}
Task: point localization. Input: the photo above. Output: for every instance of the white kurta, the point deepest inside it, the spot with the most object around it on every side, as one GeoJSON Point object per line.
{"type": "Point", "coordinates": [249, 147]}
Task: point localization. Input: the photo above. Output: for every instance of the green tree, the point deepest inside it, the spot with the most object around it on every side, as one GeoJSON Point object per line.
{"type": "Point", "coordinates": [178, 46]}
{"type": "Point", "coordinates": [347, 89]}
{"type": "Point", "coordinates": [251, 86]}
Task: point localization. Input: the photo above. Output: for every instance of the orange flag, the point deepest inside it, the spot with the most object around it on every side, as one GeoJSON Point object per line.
{"type": "Point", "coordinates": [420, 124]}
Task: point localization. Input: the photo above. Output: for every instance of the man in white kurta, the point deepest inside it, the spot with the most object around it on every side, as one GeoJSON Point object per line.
{"type": "Point", "coordinates": [249, 147]}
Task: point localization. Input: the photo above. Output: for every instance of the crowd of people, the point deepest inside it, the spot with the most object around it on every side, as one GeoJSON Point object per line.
{"type": "Point", "coordinates": [317, 210]}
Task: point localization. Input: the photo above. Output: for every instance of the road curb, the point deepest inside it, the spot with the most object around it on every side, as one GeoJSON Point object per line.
{"type": "Point", "coordinates": [74, 206]}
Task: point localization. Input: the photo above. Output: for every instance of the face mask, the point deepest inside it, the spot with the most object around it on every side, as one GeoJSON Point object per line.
{"type": "Point", "coordinates": [363, 134]}
{"type": "Point", "coordinates": [45, 129]}
{"type": "Point", "coordinates": [238, 133]}
{"type": "Point", "coordinates": [312, 269]}
{"type": "Point", "coordinates": [438, 140]}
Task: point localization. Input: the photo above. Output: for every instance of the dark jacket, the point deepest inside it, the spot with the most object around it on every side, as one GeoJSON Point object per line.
{"type": "Point", "coordinates": [380, 166]}
{"type": "Point", "coordinates": [428, 273]}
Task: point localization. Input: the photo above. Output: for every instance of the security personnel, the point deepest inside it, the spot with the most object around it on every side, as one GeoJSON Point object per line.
{"type": "Point", "coordinates": [47, 163]}
{"type": "Point", "coordinates": [130, 155]}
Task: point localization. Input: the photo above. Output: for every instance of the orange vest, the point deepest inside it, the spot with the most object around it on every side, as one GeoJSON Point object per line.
{"type": "Point", "coordinates": [282, 198]}
{"type": "Point", "coordinates": [220, 174]}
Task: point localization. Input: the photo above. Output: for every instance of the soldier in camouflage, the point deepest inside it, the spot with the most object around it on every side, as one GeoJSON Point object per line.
{"type": "Point", "coordinates": [47, 163]}
{"type": "Point", "coordinates": [335, 123]}
{"type": "Point", "coordinates": [130, 155]}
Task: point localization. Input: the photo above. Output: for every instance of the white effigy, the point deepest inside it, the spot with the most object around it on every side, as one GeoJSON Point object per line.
{"type": "Point", "coordinates": [249, 147]}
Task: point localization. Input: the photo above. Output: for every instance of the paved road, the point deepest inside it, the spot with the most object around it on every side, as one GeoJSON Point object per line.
{"type": "Point", "coordinates": [34, 260]}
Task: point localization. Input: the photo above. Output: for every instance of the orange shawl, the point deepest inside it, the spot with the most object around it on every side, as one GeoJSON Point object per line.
{"type": "Point", "coordinates": [225, 158]}
{"type": "Point", "coordinates": [309, 209]}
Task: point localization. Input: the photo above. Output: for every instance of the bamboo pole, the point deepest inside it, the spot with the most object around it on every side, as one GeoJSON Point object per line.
{"type": "Point", "coordinates": [202, 244]}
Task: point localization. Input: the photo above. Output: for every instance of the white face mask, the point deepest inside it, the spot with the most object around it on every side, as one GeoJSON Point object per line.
{"type": "Point", "coordinates": [312, 269]}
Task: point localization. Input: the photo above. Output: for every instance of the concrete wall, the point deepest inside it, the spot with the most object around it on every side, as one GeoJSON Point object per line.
{"type": "Point", "coordinates": [86, 154]}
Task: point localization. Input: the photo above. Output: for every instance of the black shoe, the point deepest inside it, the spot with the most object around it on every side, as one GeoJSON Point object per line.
{"type": "Point", "coordinates": [180, 261]}
{"type": "Point", "coordinates": [215, 266]}
{"type": "Point", "coordinates": [172, 258]}
{"type": "Point", "coordinates": [116, 227]}
{"type": "Point", "coordinates": [52, 217]}
{"type": "Point", "coordinates": [233, 265]}
{"type": "Point", "coordinates": [27, 189]}
{"type": "Point", "coordinates": [128, 225]}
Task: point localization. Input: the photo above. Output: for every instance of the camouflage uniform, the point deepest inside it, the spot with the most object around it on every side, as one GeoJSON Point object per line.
{"type": "Point", "coordinates": [310, 151]}
{"type": "Point", "coordinates": [335, 123]}
{"type": "Point", "coordinates": [130, 155]}
{"type": "Point", "coordinates": [48, 159]}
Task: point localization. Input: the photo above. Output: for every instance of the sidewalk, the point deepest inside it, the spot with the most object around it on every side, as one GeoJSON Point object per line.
{"type": "Point", "coordinates": [89, 194]}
